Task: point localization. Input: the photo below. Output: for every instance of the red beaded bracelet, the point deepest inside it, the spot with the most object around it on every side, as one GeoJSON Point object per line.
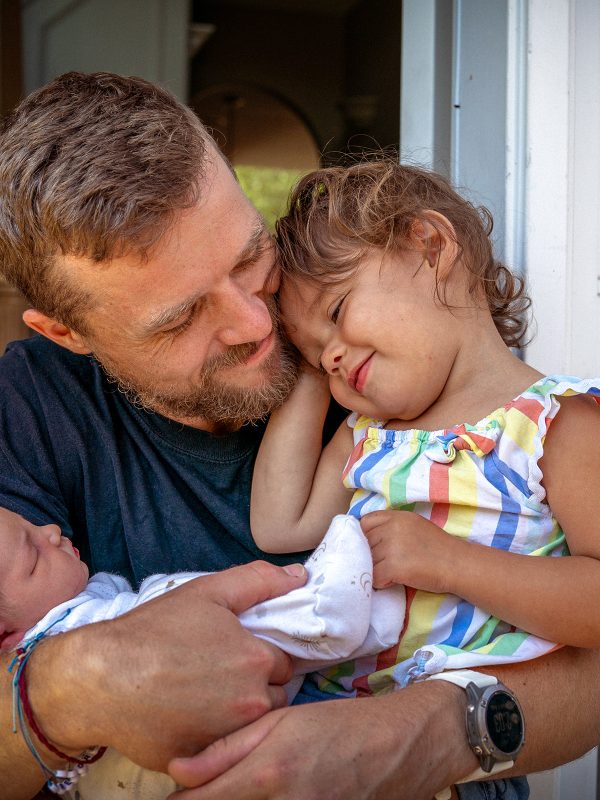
{"type": "Point", "coordinates": [59, 781]}
{"type": "Point", "coordinates": [82, 759]}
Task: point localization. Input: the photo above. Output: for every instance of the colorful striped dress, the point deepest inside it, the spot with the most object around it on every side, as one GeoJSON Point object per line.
{"type": "Point", "coordinates": [481, 482]}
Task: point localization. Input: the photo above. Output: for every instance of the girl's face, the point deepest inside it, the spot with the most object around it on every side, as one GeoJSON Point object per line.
{"type": "Point", "coordinates": [386, 342]}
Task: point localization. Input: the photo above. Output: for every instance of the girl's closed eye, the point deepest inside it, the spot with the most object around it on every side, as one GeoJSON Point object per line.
{"type": "Point", "coordinates": [335, 311]}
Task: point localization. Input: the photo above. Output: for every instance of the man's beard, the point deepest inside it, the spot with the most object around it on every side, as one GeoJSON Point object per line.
{"type": "Point", "coordinates": [210, 399]}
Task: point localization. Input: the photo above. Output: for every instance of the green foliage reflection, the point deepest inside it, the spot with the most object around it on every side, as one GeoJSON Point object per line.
{"type": "Point", "coordinates": [268, 188]}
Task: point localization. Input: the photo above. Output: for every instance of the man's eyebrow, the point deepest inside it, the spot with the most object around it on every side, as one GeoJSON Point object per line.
{"type": "Point", "coordinates": [167, 315]}
{"type": "Point", "coordinates": [255, 244]}
{"type": "Point", "coordinates": [249, 253]}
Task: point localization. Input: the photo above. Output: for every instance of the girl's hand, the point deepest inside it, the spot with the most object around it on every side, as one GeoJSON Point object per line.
{"type": "Point", "coordinates": [409, 549]}
{"type": "Point", "coordinates": [314, 376]}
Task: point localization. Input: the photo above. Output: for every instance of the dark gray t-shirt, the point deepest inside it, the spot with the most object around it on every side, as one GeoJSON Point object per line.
{"type": "Point", "coordinates": [137, 492]}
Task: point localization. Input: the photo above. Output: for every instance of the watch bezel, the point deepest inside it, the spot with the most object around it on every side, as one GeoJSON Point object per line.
{"type": "Point", "coordinates": [477, 729]}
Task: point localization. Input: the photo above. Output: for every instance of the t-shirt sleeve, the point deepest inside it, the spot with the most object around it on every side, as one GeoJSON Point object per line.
{"type": "Point", "coordinates": [29, 474]}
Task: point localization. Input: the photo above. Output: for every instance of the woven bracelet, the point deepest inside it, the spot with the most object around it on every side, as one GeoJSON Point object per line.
{"type": "Point", "coordinates": [58, 781]}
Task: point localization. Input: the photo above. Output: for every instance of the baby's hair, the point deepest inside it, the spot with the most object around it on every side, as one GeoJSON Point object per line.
{"type": "Point", "coordinates": [336, 214]}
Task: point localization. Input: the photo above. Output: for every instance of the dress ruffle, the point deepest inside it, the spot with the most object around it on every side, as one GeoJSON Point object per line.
{"type": "Point", "coordinates": [480, 440]}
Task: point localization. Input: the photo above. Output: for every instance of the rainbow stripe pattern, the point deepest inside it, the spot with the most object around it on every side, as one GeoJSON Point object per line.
{"type": "Point", "coordinates": [481, 482]}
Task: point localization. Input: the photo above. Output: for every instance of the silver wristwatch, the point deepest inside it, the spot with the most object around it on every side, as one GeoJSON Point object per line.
{"type": "Point", "coordinates": [495, 724]}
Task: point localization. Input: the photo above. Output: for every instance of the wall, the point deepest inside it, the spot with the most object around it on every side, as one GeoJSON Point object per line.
{"type": "Point", "coordinates": [372, 45]}
{"type": "Point", "coordinates": [299, 56]}
{"type": "Point", "coordinates": [148, 38]}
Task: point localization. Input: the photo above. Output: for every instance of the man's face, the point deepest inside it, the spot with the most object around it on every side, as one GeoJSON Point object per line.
{"type": "Point", "coordinates": [191, 332]}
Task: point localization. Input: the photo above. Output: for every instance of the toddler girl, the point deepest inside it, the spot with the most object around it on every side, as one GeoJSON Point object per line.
{"type": "Point", "coordinates": [468, 469]}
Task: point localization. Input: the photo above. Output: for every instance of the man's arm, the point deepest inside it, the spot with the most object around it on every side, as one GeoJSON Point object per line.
{"type": "Point", "coordinates": [560, 696]}
{"type": "Point", "coordinates": [407, 745]}
{"type": "Point", "coordinates": [165, 679]}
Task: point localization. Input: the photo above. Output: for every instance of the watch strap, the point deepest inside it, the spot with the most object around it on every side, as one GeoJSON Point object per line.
{"type": "Point", "coordinates": [476, 775]}
{"type": "Point", "coordinates": [462, 678]}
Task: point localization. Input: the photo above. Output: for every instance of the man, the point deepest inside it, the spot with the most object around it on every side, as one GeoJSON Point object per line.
{"type": "Point", "coordinates": [129, 235]}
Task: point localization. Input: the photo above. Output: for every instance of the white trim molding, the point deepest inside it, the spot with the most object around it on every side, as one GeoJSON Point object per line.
{"type": "Point", "coordinates": [562, 184]}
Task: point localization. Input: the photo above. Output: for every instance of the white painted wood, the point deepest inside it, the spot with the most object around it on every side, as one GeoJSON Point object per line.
{"type": "Point", "coordinates": [544, 785]}
{"type": "Point", "coordinates": [148, 38]}
{"type": "Point", "coordinates": [547, 191]}
{"type": "Point", "coordinates": [516, 129]}
{"type": "Point", "coordinates": [478, 164]}
{"type": "Point", "coordinates": [563, 184]}
{"type": "Point", "coordinates": [426, 83]}
{"type": "Point", "coordinates": [583, 345]}
{"type": "Point", "coordinates": [574, 781]}
{"type": "Point", "coordinates": [417, 98]}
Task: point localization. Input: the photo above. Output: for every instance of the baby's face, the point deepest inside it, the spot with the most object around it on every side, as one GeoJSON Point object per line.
{"type": "Point", "coordinates": [39, 569]}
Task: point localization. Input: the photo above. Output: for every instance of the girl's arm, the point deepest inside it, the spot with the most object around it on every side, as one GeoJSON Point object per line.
{"type": "Point", "coordinates": [297, 485]}
{"type": "Point", "coordinates": [555, 598]}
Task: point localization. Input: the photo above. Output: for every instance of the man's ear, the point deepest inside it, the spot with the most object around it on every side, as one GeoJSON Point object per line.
{"type": "Point", "coordinates": [55, 331]}
{"type": "Point", "coordinates": [434, 235]}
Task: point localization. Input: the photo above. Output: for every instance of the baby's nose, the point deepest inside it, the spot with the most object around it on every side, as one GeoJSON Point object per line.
{"type": "Point", "coordinates": [53, 533]}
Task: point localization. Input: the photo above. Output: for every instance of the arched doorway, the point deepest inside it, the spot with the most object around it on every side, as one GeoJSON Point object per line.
{"type": "Point", "coordinates": [268, 142]}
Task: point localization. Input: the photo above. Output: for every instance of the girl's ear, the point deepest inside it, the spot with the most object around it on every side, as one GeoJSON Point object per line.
{"type": "Point", "coordinates": [435, 237]}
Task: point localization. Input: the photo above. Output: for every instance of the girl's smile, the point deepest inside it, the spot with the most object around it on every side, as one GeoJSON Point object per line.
{"type": "Point", "coordinates": [357, 377]}
{"type": "Point", "coordinates": [388, 346]}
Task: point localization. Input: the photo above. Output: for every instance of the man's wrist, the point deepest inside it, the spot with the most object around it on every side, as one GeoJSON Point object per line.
{"type": "Point", "coordinates": [449, 755]}
{"type": "Point", "coordinates": [58, 687]}
{"type": "Point", "coordinates": [428, 735]}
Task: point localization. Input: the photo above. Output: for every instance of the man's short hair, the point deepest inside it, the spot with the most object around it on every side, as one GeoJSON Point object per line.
{"type": "Point", "coordinates": [91, 165]}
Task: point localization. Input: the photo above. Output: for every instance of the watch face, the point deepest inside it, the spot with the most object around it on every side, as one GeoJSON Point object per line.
{"type": "Point", "coordinates": [504, 722]}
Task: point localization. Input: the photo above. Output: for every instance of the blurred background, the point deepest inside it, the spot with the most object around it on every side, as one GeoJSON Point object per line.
{"type": "Point", "coordinates": [500, 95]}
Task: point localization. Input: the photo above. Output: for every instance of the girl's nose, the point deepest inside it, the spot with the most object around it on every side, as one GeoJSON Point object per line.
{"type": "Point", "coordinates": [331, 357]}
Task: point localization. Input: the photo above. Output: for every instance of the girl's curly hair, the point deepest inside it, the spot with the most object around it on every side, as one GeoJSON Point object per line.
{"type": "Point", "coordinates": [336, 214]}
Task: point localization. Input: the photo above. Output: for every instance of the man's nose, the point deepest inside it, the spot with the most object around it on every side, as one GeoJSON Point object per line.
{"type": "Point", "coordinates": [245, 318]}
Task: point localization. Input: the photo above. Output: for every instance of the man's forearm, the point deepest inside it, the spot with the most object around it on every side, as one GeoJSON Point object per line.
{"type": "Point", "coordinates": [560, 697]}
{"type": "Point", "coordinates": [105, 684]}
{"type": "Point", "coordinates": [410, 744]}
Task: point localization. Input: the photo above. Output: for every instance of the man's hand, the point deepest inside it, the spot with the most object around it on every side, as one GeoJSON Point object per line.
{"type": "Point", "coordinates": [169, 677]}
{"type": "Point", "coordinates": [404, 746]}
{"type": "Point", "coordinates": [409, 549]}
